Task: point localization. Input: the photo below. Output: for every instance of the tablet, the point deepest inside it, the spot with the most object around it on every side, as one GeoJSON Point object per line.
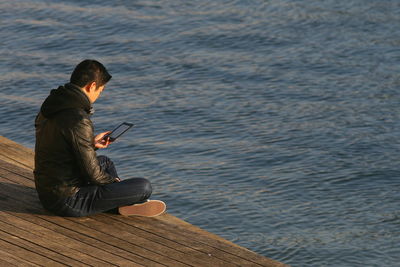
{"type": "Point", "coordinates": [120, 130]}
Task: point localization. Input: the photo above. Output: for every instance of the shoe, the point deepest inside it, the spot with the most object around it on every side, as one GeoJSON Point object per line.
{"type": "Point", "coordinates": [150, 208]}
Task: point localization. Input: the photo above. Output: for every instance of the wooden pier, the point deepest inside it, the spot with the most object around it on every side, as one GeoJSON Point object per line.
{"type": "Point", "coordinates": [30, 236]}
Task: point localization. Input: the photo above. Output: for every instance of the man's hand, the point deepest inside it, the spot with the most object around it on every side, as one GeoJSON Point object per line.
{"type": "Point", "coordinates": [99, 142]}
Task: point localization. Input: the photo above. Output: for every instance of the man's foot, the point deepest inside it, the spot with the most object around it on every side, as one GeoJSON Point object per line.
{"type": "Point", "coordinates": [150, 208]}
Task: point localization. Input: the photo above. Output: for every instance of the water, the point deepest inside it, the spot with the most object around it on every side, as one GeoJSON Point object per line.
{"type": "Point", "coordinates": [274, 124]}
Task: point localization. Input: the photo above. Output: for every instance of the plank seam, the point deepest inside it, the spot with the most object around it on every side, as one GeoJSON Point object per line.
{"type": "Point", "coordinates": [203, 243]}
{"type": "Point", "coordinates": [146, 248]}
{"type": "Point", "coordinates": [180, 243]}
{"type": "Point", "coordinates": [32, 242]}
{"type": "Point", "coordinates": [13, 159]}
{"type": "Point", "coordinates": [73, 238]}
{"type": "Point", "coordinates": [15, 258]}
{"type": "Point", "coordinates": [35, 252]}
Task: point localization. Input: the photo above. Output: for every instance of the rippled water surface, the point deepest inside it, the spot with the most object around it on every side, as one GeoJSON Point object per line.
{"type": "Point", "coordinates": [275, 124]}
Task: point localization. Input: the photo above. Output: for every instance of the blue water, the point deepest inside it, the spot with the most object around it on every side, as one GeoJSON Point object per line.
{"type": "Point", "coordinates": [275, 124]}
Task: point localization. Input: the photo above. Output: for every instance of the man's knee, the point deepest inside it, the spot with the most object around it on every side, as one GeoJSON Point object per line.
{"type": "Point", "coordinates": [146, 187]}
{"type": "Point", "coordinates": [140, 186]}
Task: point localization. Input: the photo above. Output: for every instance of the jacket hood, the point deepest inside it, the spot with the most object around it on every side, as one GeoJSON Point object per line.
{"type": "Point", "coordinates": [65, 97]}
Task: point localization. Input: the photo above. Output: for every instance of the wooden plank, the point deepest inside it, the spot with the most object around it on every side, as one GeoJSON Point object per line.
{"type": "Point", "coordinates": [150, 258]}
{"type": "Point", "coordinates": [25, 250]}
{"type": "Point", "coordinates": [172, 220]}
{"type": "Point", "coordinates": [132, 234]}
{"type": "Point", "coordinates": [7, 262]}
{"type": "Point", "coordinates": [14, 194]}
{"type": "Point", "coordinates": [176, 257]}
{"type": "Point", "coordinates": [196, 255]}
{"type": "Point", "coordinates": [11, 260]}
{"type": "Point", "coordinates": [185, 235]}
{"type": "Point", "coordinates": [60, 244]}
{"type": "Point", "coordinates": [93, 246]}
{"type": "Point", "coordinates": [15, 153]}
{"type": "Point", "coordinates": [23, 176]}
{"type": "Point", "coordinates": [82, 232]}
{"type": "Point", "coordinates": [103, 232]}
{"type": "Point", "coordinates": [14, 259]}
{"type": "Point", "coordinates": [140, 240]}
{"type": "Point", "coordinates": [83, 226]}
{"type": "Point", "coordinates": [179, 256]}
{"type": "Point", "coordinates": [179, 239]}
{"type": "Point", "coordinates": [46, 246]}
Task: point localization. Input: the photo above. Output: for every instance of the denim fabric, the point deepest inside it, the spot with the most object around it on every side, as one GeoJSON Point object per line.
{"type": "Point", "coordinates": [93, 199]}
{"type": "Point", "coordinates": [107, 165]}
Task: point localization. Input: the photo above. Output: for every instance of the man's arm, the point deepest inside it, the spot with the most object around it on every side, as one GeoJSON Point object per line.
{"type": "Point", "coordinates": [83, 147]}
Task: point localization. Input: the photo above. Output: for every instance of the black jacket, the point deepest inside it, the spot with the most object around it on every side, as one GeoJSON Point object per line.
{"type": "Point", "coordinates": [65, 157]}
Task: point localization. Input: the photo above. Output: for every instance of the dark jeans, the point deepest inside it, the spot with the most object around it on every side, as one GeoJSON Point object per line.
{"type": "Point", "coordinates": [93, 199]}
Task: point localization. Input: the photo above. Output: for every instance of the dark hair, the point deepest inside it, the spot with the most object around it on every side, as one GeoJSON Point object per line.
{"type": "Point", "coordinates": [90, 71]}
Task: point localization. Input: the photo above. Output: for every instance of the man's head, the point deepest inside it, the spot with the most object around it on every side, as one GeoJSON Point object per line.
{"type": "Point", "coordinates": [91, 76]}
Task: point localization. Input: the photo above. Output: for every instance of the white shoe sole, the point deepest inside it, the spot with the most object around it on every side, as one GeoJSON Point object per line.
{"type": "Point", "coordinates": [150, 208]}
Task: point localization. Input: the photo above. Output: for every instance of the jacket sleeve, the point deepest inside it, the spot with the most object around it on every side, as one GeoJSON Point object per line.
{"type": "Point", "coordinates": [83, 147]}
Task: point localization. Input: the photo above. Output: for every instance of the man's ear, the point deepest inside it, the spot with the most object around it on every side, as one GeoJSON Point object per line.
{"type": "Point", "coordinates": [90, 86]}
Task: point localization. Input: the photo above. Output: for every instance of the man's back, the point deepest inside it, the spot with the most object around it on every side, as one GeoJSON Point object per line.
{"type": "Point", "coordinates": [64, 152]}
